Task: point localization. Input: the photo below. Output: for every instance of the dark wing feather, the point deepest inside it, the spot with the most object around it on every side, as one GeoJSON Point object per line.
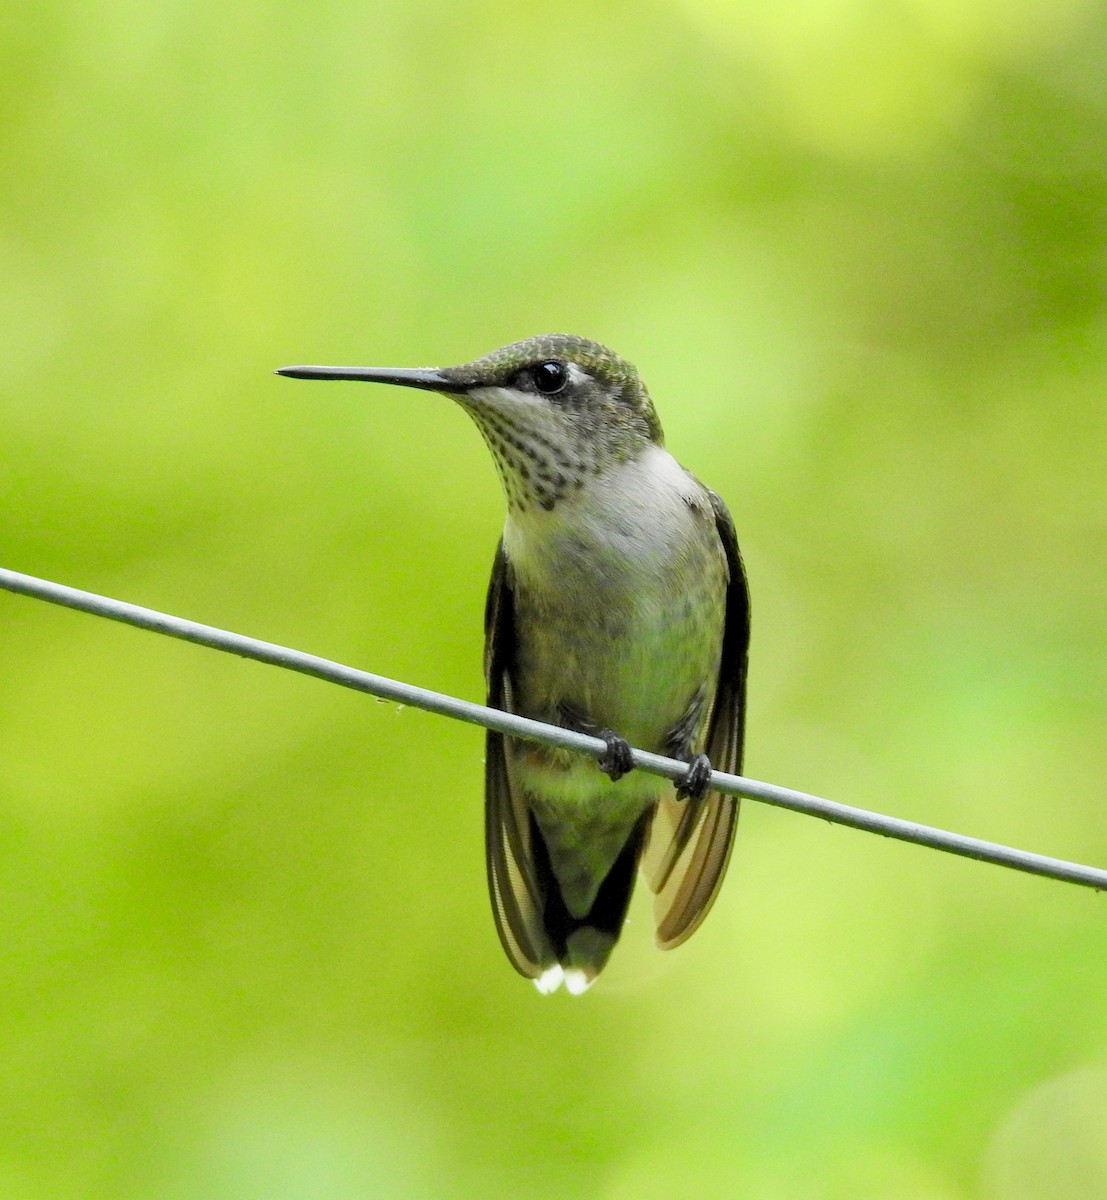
{"type": "Point", "coordinates": [512, 884]}
{"type": "Point", "coordinates": [690, 841]}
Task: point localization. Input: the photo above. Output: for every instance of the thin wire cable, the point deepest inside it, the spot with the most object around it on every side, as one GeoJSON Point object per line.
{"type": "Point", "coordinates": [550, 735]}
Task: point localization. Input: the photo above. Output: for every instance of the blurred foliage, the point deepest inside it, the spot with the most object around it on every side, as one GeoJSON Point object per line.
{"type": "Point", "coordinates": [858, 253]}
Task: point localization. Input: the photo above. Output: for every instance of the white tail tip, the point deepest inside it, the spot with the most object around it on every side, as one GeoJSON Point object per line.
{"type": "Point", "coordinates": [550, 979]}
{"type": "Point", "coordinates": [575, 981]}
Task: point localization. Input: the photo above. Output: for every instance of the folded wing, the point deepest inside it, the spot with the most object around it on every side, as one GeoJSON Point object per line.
{"type": "Point", "coordinates": [691, 840]}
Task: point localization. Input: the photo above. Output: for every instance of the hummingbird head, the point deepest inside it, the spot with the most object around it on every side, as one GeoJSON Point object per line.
{"type": "Point", "coordinates": [554, 410]}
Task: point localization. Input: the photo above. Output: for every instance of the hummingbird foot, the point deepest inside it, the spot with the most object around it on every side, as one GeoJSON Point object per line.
{"type": "Point", "coordinates": [697, 781]}
{"type": "Point", "coordinates": [616, 760]}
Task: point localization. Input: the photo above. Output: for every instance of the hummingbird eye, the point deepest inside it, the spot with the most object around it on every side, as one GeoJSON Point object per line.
{"type": "Point", "coordinates": [549, 377]}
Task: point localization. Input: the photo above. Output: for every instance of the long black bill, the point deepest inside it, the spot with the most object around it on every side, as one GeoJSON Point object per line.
{"type": "Point", "coordinates": [416, 377]}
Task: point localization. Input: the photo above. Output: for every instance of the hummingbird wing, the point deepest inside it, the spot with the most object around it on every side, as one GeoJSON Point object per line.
{"type": "Point", "coordinates": [508, 829]}
{"type": "Point", "coordinates": [691, 840]}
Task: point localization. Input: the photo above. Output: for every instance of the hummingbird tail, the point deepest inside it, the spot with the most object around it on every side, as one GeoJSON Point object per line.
{"type": "Point", "coordinates": [582, 945]}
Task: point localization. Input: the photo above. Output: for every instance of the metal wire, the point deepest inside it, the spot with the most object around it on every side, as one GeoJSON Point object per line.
{"type": "Point", "coordinates": [537, 731]}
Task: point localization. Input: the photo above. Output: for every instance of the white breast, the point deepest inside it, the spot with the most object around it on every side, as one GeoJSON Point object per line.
{"type": "Point", "coordinates": [606, 614]}
{"type": "Point", "coordinates": [634, 519]}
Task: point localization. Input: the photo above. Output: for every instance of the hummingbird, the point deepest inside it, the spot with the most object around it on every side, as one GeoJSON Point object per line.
{"type": "Point", "coordinates": [618, 607]}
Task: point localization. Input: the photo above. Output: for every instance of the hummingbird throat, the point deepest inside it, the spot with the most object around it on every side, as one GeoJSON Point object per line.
{"type": "Point", "coordinates": [542, 458]}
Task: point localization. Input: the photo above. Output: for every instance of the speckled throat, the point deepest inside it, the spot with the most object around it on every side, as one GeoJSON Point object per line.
{"type": "Point", "coordinates": [537, 470]}
{"type": "Point", "coordinates": [542, 457]}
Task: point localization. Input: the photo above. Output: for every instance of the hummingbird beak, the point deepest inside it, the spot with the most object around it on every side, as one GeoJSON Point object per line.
{"type": "Point", "coordinates": [427, 378]}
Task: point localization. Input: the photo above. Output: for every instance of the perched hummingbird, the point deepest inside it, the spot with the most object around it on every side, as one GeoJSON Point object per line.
{"type": "Point", "coordinates": [617, 607]}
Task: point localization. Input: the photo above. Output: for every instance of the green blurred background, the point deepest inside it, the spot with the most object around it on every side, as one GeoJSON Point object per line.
{"type": "Point", "coordinates": [859, 253]}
